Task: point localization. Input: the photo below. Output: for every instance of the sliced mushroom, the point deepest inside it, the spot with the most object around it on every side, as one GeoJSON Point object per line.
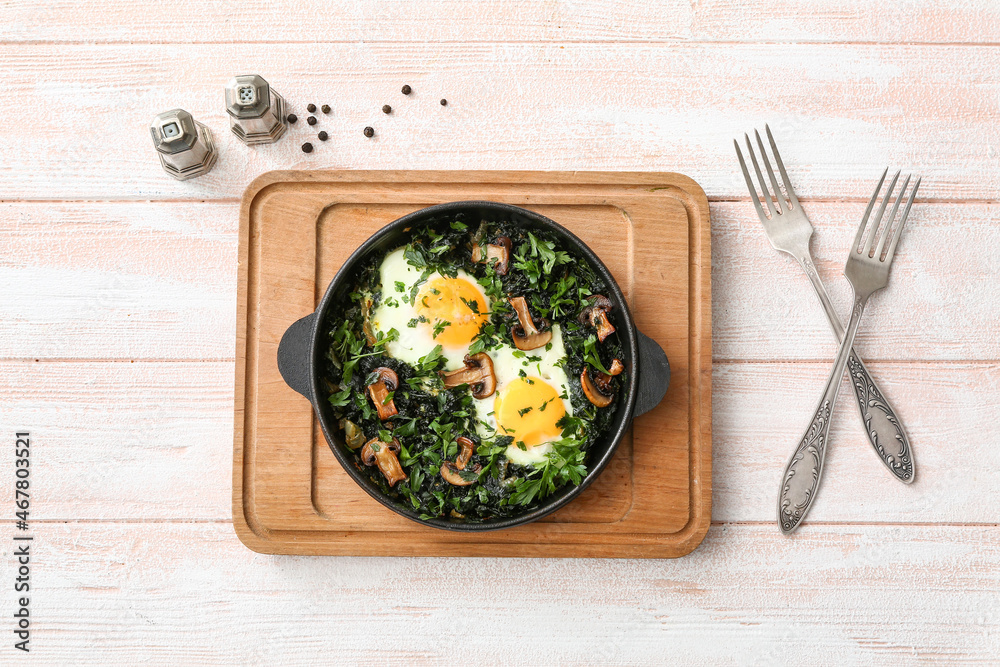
{"type": "Point", "coordinates": [451, 476]}
{"type": "Point", "coordinates": [353, 435]}
{"type": "Point", "coordinates": [598, 390]}
{"type": "Point", "coordinates": [526, 335]}
{"type": "Point", "coordinates": [385, 455]}
{"type": "Point", "coordinates": [366, 327]}
{"type": "Point", "coordinates": [500, 251]}
{"type": "Point", "coordinates": [466, 448]}
{"type": "Point", "coordinates": [449, 470]}
{"type": "Point", "coordinates": [478, 374]}
{"type": "Point", "coordinates": [386, 381]}
{"type": "Point", "coordinates": [596, 314]}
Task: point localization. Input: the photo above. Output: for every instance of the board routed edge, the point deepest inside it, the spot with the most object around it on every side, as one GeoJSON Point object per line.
{"type": "Point", "coordinates": [639, 194]}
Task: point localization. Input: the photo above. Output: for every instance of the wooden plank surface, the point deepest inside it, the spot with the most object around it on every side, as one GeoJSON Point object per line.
{"type": "Point", "coordinates": [152, 440]}
{"type": "Point", "coordinates": [191, 593]}
{"type": "Point", "coordinates": [946, 408]}
{"type": "Point", "coordinates": [133, 453]}
{"type": "Point", "coordinates": [115, 280]}
{"type": "Point", "coordinates": [841, 113]}
{"type": "Point", "coordinates": [156, 280]}
{"type": "Point", "coordinates": [489, 21]}
{"type": "Point", "coordinates": [764, 308]}
{"type": "Point", "coordinates": [123, 440]}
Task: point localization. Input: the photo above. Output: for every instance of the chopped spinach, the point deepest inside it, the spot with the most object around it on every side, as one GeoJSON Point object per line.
{"type": "Point", "coordinates": [430, 418]}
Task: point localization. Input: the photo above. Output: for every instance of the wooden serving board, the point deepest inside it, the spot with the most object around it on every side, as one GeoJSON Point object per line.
{"type": "Point", "coordinates": [290, 495]}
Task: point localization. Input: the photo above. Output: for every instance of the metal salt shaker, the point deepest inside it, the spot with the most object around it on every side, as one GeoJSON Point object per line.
{"type": "Point", "coordinates": [184, 145]}
{"type": "Point", "coordinates": [256, 112]}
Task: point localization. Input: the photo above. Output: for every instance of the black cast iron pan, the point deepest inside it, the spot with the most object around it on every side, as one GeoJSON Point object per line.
{"type": "Point", "coordinates": [648, 372]}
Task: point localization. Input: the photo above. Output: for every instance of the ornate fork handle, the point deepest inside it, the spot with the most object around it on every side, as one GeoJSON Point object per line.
{"type": "Point", "coordinates": [800, 480]}
{"type": "Point", "coordinates": [870, 400]}
{"type": "Point", "coordinates": [884, 427]}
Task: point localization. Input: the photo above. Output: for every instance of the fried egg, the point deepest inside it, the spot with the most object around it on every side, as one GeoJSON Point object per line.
{"type": "Point", "coordinates": [443, 311]}
{"type": "Point", "coordinates": [532, 395]}
{"type": "Point", "coordinates": [532, 392]}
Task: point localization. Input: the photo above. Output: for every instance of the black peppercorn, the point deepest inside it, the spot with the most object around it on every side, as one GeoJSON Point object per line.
{"type": "Point", "coordinates": [386, 109]}
{"type": "Point", "coordinates": [407, 90]}
{"type": "Point", "coordinates": [311, 120]}
{"type": "Point", "coordinates": [292, 118]}
{"type": "Point", "coordinates": [444, 103]}
{"type": "Point", "coordinates": [307, 147]}
{"type": "Point", "coordinates": [325, 108]}
{"type": "Point", "coordinates": [310, 108]}
{"type": "Point", "coordinates": [369, 132]}
{"type": "Point", "coordinates": [323, 135]}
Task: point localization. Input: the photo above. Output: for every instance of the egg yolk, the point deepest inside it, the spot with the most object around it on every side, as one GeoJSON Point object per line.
{"type": "Point", "coordinates": [528, 409]}
{"type": "Point", "coordinates": [455, 304]}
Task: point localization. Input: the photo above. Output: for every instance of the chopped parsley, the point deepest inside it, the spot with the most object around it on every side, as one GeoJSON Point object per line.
{"type": "Point", "coordinates": [440, 326]}
{"type": "Point", "coordinates": [472, 305]}
{"type": "Point", "coordinates": [340, 398]}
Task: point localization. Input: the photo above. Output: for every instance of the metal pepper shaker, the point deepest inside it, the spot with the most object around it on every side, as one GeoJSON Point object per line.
{"type": "Point", "coordinates": [256, 112]}
{"type": "Point", "coordinates": [184, 145]}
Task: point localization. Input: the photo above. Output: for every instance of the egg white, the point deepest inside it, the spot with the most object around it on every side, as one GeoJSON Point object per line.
{"type": "Point", "coordinates": [507, 367]}
{"type": "Point", "coordinates": [392, 313]}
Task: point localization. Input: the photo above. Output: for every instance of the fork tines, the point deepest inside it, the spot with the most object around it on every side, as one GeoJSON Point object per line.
{"type": "Point", "coordinates": [881, 252]}
{"type": "Point", "coordinates": [784, 201]}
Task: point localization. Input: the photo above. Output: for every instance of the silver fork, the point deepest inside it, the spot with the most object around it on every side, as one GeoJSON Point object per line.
{"type": "Point", "coordinates": [789, 231]}
{"type": "Point", "coordinates": [868, 271]}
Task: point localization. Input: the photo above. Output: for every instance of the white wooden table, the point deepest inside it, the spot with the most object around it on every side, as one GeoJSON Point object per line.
{"type": "Point", "coordinates": [117, 318]}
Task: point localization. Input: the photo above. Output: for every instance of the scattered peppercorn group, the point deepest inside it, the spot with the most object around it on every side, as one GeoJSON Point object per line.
{"type": "Point", "coordinates": [369, 131]}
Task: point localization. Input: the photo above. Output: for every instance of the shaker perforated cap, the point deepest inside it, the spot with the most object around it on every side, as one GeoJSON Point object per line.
{"type": "Point", "coordinates": [256, 112]}
{"type": "Point", "coordinates": [247, 96]}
